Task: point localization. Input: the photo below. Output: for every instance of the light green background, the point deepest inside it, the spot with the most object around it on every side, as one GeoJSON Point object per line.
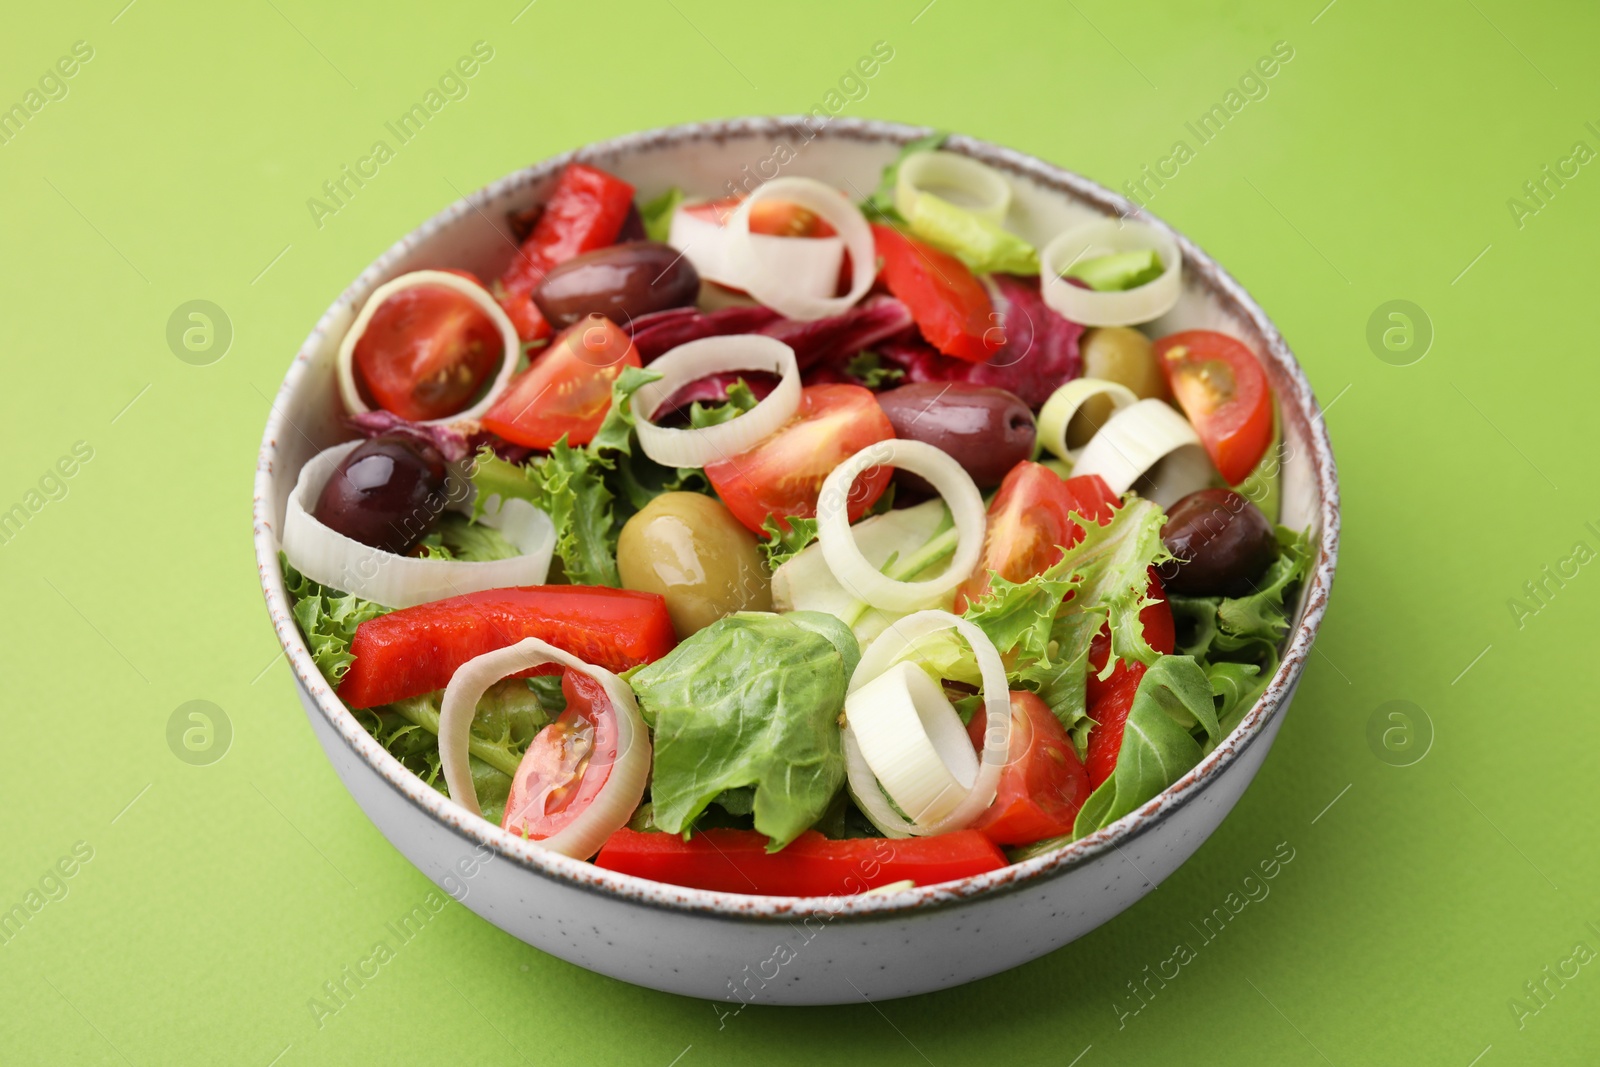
{"type": "Point", "coordinates": [1378, 167]}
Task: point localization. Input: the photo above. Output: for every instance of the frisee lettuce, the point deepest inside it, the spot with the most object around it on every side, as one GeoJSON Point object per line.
{"type": "Point", "coordinates": [458, 537]}
{"type": "Point", "coordinates": [1044, 626]}
{"type": "Point", "coordinates": [588, 491]}
{"type": "Point", "coordinates": [328, 618]}
{"type": "Point", "coordinates": [783, 545]}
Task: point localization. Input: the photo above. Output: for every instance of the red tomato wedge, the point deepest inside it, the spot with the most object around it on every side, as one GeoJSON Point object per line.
{"type": "Point", "coordinates": [783, 474]}
{"type": "Point", "coordinates": [775, 218]}
{"type": "Point", "coordinates": [427, 352]}
{"type": "Point", "coordinates": [1043, 783]}
{"type": "Point", "coordinates": [1029, 525]}
{"type": "Point", "coordinates": [415, 650]}
{"type": "Point", "coordinates": [737, 861]}
{"type": "Point", "coordinates": [585, 211]}
{"type": "Point", "coordinates": [566, 764]}
{"type": "Point", "coordinates": [950, 306]}
{"type": "Point", "coordinates": [1110, 701]}
{"type": "Point", "coordinates": [1222, 388]}
{"type": "Point", "coordinates": [567, 390]}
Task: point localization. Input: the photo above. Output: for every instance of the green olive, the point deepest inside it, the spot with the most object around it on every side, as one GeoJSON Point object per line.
{"type": "Point", "coordinates": [691, 550]}
{"type": "Point", "coordinates": [1117, 354]}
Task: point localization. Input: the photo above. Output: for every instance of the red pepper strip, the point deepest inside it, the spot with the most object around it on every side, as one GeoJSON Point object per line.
{"type": "Point", "coordinates": [950, 306]}
{"type": "Point", "coordinates": [415, 650]}
{"type": "Point", "coordinates": [737, 861]}
{"type": "Point", "coordinates": [584, 212]}
{"type": "Point", "coordinates": [1110, 701]}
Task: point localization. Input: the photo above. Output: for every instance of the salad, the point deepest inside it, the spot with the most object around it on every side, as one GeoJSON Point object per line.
{"type": "Point", "coordinates": [791, 545]}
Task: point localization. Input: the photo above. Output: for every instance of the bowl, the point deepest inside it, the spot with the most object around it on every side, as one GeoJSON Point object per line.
{"type": "Point", "coordinates": [789, 950]}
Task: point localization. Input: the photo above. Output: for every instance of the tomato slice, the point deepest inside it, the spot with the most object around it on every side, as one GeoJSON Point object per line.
{"type": "Point", "coordinates": [1029, 525]}
{"type": "Point", "coordinates": [783, 474]}
{"type": "Point", "coordinates": [1043, 783]}
{"type": "Point", "coordinates": [1222, 388]}
{"type": "Point", "coordinates": [415, 650]}
{"type": "Point", "coordinates": [567, 390]}
{"type": "Point", "coordinates": [566, 764]}
{"type": "Point", "coordinates": [737, 861]}
{"type": "Point", "coordinates": [1110, 701]}
{"type": "Point", "coordinates": [775, 218]}
{"type": "Point", "coordinates": [427, 352]}
{"type": "Point", "coordinates": [950, 306]}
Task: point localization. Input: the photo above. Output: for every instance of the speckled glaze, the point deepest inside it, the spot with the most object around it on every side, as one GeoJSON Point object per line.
{"type": "Point", "coordinates": [789, 950]}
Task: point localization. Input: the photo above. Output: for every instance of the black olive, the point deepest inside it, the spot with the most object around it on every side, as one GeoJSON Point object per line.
{"type": "Point", "coordinates": [1222, 542]}
{"type": "Point", "coordinates": [387, 493]}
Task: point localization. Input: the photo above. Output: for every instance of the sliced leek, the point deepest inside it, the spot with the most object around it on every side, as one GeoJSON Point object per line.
{"type": "Point", "coordinates": [1151, 447]}
{"type": "Point", "coordinates": [1057, 413]}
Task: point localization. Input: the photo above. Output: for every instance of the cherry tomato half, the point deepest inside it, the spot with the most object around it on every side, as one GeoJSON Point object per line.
{"type": "Point", "coordinates": [775, 218]}
{"type": "Point", "coordinates": [567, 390]}
{"type": "Point", "coordinates": [1029, 525]}
{"type": "Point", "coordinates": [427, 352]}
{"type": "Point", "coordinates": [566, 763]}
{"type": "Point", "coordinates": [1220, 385]}
{"type": "Point", "coordinates": [1043, 783]}
{"type": "Point", "coordinates": [782, 475]}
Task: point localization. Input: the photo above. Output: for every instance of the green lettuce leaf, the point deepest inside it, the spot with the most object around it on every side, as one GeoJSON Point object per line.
{"type": "Point", "coordinates": [657, 214]}
{"type": "Point", "coordinates": [328, 618]}
{"type": "Point", "coordinates": [750, 701]}
{"type": "Point", "coordinates": [1157, 747]}
{"type": "Point", "coordinates": [458, 537]}
{"type": "Point", "coordinates": [783, 545]}
{"type": "Point", "coordinates": [880, 205]}
{"type": "Point", "coordinates": [1044, 626]}
{"type": "Point", "coordinates": [1236, 639]}
{"type": "Point", "coordinates": [740, 400]}
{"type": "Point", "coordinates": [587, 491]}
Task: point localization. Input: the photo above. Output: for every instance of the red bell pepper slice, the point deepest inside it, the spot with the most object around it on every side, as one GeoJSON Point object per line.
{"type": "Point", "coordinates": [584, 212]}
{"type": "Point", "coordinates": [737, 861]}
{"type": "Point", "coordinates": [950, 306]}
{"type": "Point", "coordinates": [415, 650]}
{"type": "Point", "coordinates": [1110, 701]}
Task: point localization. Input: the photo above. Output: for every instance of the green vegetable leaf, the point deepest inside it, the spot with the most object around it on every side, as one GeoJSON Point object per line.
{"type": "Point", "coordinates": [657, 214]}
{"type": "Point", "coordinates": [1157, 748]}
{"type": "Point", "coordinates": [751, 700]}
{"type": "Point", "coordinates": [1046, 635]}
{"type": "Point", "coordinates": [982, 245]}
{"type": "Point", "coordinates": [740, 400]}
{"type": "Point", "coordinates": [574, 486]}
{"type": "Point", "coordinates": [868, 368]}
{"type": "Point", "coordinates": [458, 537]}
{"type": "Point", "coordinates": [783, 545]}
{"type": "Point", "coordinates": [328, 618]}
{"type": "Point", "coordinates": [879, 207]}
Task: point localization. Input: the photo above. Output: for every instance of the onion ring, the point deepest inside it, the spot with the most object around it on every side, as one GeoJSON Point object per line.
{"type": "Point", "coordinates": [716, 355]}
{"type": "Point", "coordinates": [768, 284]}
{"type": "Point", "coordinates": [612, 806]}
{"type": "Point", "coordinates": [1125, 308]}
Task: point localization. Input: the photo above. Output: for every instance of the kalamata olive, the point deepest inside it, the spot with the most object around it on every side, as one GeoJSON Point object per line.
{"type": "Point", "coordinates": [621, 282]}
{"type": "Point", "coordinates": [387, 493]}
{"type": "Point", "coordinates": [1223, 544]}
{"type": "Point", "coordinates": [987, 430]}
{"type": "Point", "coordinates": [689, 548]}
{"type": "Point", "coordinates": [1116, 354]}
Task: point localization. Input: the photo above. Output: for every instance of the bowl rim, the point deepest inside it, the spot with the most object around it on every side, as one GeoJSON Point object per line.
{"type": "Point", "coordinates": [582, 875]}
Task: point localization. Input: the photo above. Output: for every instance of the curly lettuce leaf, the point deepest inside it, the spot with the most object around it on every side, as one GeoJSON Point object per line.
{"type": "Point", "coordinates": [458, 537]}
{"type": "Point", "coordinates": [1044, 626]}
{"type": "Point", "coordinates": [750, 701]}
{"type": "Point", "coordinates": [1236, 639]}
{"type": "Point", "coordinates": [783, 545]}
{"type": "Point", "coordinates": [328, 618]}
{"type": "Point", "coordinates": [870, 370]}
{"type": "Point", "coordinates": [739, 400]}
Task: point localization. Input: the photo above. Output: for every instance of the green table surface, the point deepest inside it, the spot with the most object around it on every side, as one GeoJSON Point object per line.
{"type": "Point", "coordinates": [1386, 160]}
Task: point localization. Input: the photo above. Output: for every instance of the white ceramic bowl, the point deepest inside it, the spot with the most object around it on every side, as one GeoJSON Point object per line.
{"type": "Point", "coordinates": [788, 950]}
